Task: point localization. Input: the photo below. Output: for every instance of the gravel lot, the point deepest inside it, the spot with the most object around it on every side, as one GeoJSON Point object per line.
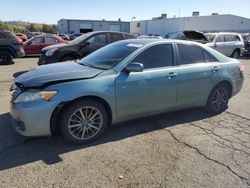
{"type": "Point", "coordinates": [181, 149]}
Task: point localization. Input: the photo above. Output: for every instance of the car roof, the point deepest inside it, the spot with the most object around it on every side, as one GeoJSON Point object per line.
{"type": "Point", "coordinates": [216, 33]}
{"type": "Point", "coordinates": [96, 32]}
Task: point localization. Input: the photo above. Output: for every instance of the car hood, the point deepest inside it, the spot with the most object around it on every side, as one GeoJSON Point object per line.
{"type": "Point", "coordinates": [55, 46]}
{"type": "Point", "coordinates": [195, 35]}
{"type": "Point", "coordinates": [56, 73]}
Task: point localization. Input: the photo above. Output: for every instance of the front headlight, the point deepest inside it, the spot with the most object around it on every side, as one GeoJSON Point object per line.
{"type": "Point", "coordinates": [30, 96]}
{"type": "Point", "coordinates": [51, 52]}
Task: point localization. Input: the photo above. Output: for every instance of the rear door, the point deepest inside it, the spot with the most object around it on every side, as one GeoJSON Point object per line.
{"type": "Point", "coordinates": [34, 46]}
{"type": "Point", "coordinates": [49, 41]}
{"type": "Point", "coordinates": [198, 73]}
{"type": "Point", "coordinates": [152, 90]}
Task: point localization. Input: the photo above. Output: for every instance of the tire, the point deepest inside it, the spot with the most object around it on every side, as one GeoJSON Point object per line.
{"type": "Point", "coordinates": [67, 58]}
{"type": "Point", "coordinates": [236, 54]}
{"type": "Point", "coordinates": [218, 99]}
{"type": "Point", "coordinates": [83, 121]}
{"type": "Point", "coordinates": [6, 58]}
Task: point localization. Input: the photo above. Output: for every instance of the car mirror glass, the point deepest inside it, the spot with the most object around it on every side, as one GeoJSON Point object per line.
{"type": "Point", "coordinates": [134, 67]}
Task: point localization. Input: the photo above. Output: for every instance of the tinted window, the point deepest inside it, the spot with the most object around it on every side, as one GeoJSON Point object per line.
{"type": "Point", "coordinates": [236, 38]}
{"type": "Point", "coordinates": [98, 39]}
{"type": "Point", "coordinates": [49, 40]}
{"type": "Point", "coordinates": [190, 54]}
{"type": "Point", "coordinates": [37, 40]}
{"type": "Point", "coordinates": [129, 36]}
{"type": "Point", "coordinates": [2, 36]}
{"type": "Point", "coordinates": [156, 56]}
{"type": "Point", "coordinates": [220, 38]}
{"type": "Point", "coordinates": [113, 37]}
{"type": "Point", "coordinates": [229, 38]}
{"type": "Point", "coordinates": [208, 57]}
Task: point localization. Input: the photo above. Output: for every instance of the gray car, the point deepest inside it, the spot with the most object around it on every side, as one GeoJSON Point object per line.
{"type": "Point", "coordinates": [121, 81]}
{"type": "Point", "coordinates": [229, 44]}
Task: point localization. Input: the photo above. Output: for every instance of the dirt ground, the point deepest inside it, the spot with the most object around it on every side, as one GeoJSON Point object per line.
{"type": "Point", "coordinates": [182, 149]}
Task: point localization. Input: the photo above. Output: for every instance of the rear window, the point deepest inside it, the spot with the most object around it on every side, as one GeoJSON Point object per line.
{"type": "Point", "coordinates": [229, 38]}
{"type": "Point", "coordinates": [190, 54]}
{"type": "Point", "coordinates": [2, 36]}
{"type": "Point", "coordinates": [127, 36]}
{"type": "Point", "coordinates": [113, 37]}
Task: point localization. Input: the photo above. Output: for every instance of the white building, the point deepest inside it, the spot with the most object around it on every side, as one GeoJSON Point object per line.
{"type": "Point", "coordinates": [214, 23]}
{"type": "Point", "coordinates": [69, 26]}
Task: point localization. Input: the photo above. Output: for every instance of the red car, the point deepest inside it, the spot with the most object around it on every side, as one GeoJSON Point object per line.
{"type": "Point", "coordinates": [37, 43]}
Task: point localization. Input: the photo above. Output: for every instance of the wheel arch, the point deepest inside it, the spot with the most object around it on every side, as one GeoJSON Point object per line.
{"type": "Point", "coordinates": [227, 82]}
{"type": "Point", "coordinates": [54, 119]}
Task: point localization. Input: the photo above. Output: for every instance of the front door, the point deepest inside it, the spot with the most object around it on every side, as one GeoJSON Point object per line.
{"type": "Point", "coordinates": [152, 90]}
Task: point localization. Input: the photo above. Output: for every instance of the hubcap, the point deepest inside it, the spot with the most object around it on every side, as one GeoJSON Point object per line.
{"type": "Point", "coordinates": [85, 123]}
{"type": "Point", "coordinates": [220, 99]}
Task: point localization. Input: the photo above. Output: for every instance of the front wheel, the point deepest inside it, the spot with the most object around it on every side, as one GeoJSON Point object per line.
{"type": "Point", "coordinates": [218, 99]}
{"type": "Point", "coordinates": [83, 121]}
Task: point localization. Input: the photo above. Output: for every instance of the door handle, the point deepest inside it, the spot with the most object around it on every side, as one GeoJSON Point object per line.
{"type": "Point", "coordinates": [172, 75]}
{"type": "Point", "coordinates": [215, 69]}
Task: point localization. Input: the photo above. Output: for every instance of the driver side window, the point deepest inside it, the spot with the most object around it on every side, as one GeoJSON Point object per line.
{"type": "Point", "coordinates": [156, 56]}
{"type": "Point", "coordinates": [97, 39]}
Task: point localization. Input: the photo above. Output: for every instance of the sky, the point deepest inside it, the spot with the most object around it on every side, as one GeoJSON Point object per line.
{"type": "Point", "coordinates": [50, 11]}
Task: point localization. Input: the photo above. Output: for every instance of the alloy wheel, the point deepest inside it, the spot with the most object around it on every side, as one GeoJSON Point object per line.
{"type": "Point", "coordinates": [85, 123]}
{"type": "Point", "coordinates": [220, 99]}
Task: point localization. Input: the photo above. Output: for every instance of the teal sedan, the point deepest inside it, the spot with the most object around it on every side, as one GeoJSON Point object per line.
{"type": "Point", "coordinates": [124, 80]}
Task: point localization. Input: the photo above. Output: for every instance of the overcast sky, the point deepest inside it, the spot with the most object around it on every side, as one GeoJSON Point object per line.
{"type": "Point", "coordinates": [50, 11]}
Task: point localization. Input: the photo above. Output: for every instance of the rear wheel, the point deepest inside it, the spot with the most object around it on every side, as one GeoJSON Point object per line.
{"type": "Point", "coordinates": [6, 58]}
{"type": "Point", "coordinates": [218, 99]}
{"type": "Point", "coordinates": [236, 54]}
{"type": "Point", "coordinates": [83, 121]}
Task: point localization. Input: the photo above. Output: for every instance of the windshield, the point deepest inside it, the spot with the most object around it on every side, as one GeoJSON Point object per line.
{"type": "Point", "coordinates": [108, 56]}
{"type": "Point", "coordinates": [79, 39]}
{"type": "Point", "coordinates": [210, 37]}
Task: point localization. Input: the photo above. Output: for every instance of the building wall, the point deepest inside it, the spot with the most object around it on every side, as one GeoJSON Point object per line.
{"type": "Point", "coordinates": [74, 26]}
{"type": "Point", "coordinates": [202, 23]}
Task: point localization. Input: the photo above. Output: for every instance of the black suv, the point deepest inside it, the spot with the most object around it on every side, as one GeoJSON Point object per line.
{"type": "Point", "coordinates": [10, 47]}
{"type": "Point", "coordinates": [81, 46]}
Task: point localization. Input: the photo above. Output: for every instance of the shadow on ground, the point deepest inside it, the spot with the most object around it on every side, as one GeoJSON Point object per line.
{"type": "Point", "coordinates": [18, 151]}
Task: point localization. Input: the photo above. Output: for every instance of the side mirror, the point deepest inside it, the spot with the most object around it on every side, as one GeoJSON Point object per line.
{"type": "Point", "coordinates": [134, 67]}
{"type": "Point", "coordinates": [215, 44]}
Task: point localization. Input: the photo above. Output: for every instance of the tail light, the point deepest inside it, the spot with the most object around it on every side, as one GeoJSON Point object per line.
{"type": "Point", "coordinates": [241, 67]}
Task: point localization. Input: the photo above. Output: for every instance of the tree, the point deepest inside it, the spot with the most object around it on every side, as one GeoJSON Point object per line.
{"type": "Point", "coordinates": [45, 28]}
{"type": "Point", "coordinates": [32, 27]}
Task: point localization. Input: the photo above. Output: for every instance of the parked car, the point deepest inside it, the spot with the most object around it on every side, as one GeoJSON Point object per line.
{"type": "Point", "coordinates": [149, 37]}
{"type": "Point", "coordinates": [124, 80]}
{"type": "Point", "coordinates": [23, 37]}
{"type": "Point", "coordinates": [230, 44]}
{"type": "Point", "coordinates": [75, 35]}
{"type": "Point", "coordinates": [191, 35]}
{"type": "Point", "coordinates": [10, 47]}
{"type": "Point", "coordinates": [64, 36]}
{"type": "Point", "coordinates": [246, 39]}
{"type": "Point", "coordinates": [80, 47]}
{"type": "Point", "coordinates": [37, 43]}
{"type": "Point", "coordinates": [29, 35]}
